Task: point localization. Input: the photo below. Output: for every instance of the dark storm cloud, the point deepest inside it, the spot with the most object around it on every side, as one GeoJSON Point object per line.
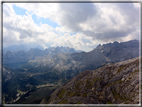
{"type": "Point", "coordinates": [89, 33]}
{"type": "Point", "coordinates": [107, 35]}
{"type": "Point", "coordinates": [74, 14]}
{"type": "Point", "coordinates": [129, 11]}
{"type": "Point", "coordinates": [111, 35]}
{"type": "Point", "coordinates": [131, 19]}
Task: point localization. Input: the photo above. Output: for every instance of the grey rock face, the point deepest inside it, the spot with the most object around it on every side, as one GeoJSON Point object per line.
{"type": "Point", "coordinates": [117, 52]}
{"type": "Point", "coordinates": [101, 55]}
{"type": "Point", "coordinates": [111, 84]}
{"type": "Point", "coordinates": [62, 58]}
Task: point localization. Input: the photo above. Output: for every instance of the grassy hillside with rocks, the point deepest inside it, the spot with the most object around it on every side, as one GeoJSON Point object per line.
{"type": "Point", "coordinates": [111, 84]}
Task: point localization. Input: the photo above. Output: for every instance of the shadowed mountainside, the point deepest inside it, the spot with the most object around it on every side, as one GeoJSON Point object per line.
{"type": "Point", "coordinates": [117, 52]}
{"type": "Point", "coordinates": [101, 55]}
{"type": "Point", "coordinates": [111, 84]}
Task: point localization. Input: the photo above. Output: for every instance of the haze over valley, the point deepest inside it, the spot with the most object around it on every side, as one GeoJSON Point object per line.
{"type": "Point", "coordinates": [71, 53]}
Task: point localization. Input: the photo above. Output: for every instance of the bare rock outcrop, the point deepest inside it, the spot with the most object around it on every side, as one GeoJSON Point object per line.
{"type": "Point", "coordinates": [111, 84]}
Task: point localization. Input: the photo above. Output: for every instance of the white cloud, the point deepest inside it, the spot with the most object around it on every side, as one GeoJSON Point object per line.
{"type": "Point", "coordinates": [78, 41]}
{"type": "Point", "coordinates": [45, 10]}
{"type": "Point", "coordinates": [97, 23]}
{"type": "Point", "coordinates": [62, 30]}
{"type": "Point", "coordinates": [22, 29]}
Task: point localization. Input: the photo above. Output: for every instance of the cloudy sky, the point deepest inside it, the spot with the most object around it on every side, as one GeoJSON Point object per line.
{"type": "Point", "coordinates": [77, 25]}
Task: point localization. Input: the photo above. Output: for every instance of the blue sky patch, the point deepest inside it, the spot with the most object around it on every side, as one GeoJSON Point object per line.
{"type": "Point", "coordinates": [44, 21]}
{"type": "Point", "coordinates": [19, 11]}
{"type": "Point", "coordinates": [73, 33]}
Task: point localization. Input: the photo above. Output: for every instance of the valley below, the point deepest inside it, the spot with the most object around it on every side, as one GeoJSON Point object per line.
{"type": "Point", "coordinates": [36, 95]}
{"type": "Point", "coordinates": [62, 75]}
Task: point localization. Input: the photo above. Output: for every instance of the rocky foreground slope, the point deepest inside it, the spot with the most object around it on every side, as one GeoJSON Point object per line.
{"type": "Point", "coordinates": [111, 84]}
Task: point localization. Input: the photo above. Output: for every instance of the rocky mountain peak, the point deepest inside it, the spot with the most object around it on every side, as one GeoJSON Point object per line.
{"type": "Point", "coordinates": [98, 46]}
{"type": "Point", "coordinates": [115, 42]}
{"type": "Point", "coordinates": [123, 50]}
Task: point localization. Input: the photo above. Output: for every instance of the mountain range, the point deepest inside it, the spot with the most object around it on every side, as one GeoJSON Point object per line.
{"type": "Point", "coordinates": [24, 47]}
{"type": "Point", "coordinates": [25, 71]}
{"type": "Point", "coordinates": [18, 58]}
{"type": "Point", "coordinates": [101, 55]}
